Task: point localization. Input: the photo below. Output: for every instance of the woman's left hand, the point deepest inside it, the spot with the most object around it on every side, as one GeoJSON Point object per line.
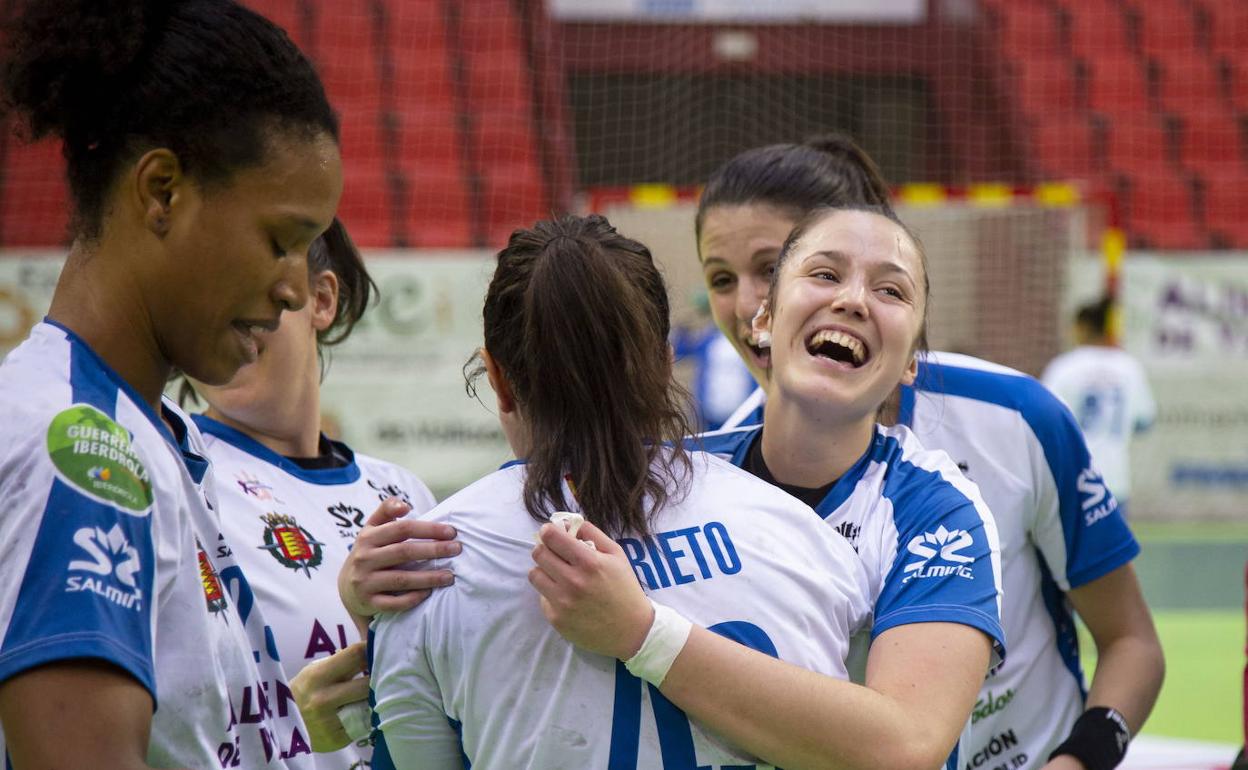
{"type": "Point", "coordinates": [590, 596]}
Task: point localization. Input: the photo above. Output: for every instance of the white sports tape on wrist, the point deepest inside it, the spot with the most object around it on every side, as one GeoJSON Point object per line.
{"type": "Point", "coordinates": [357, 720]}
{"type": "Point", "coordinates": [667, 637]}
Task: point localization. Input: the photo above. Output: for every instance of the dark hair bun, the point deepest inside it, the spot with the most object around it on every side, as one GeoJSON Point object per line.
{"type": "Point", "coordinates": [67, 59]}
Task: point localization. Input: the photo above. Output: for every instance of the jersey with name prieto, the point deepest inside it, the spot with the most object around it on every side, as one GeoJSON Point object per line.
{"type": "Point", "coordinates": [477, 673]}
{"type": "Point", "coordinates": [1059, 526]}
{"type": "Point", "coordinates": [291, 529]}
{"type": "Point", "coordinates": [1108, 392]}
{"type": "Point", "coordinates": [110, 544]}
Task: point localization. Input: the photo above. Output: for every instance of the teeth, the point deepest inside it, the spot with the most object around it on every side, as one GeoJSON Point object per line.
{"type": "Point", "coordinates": [840, 338]}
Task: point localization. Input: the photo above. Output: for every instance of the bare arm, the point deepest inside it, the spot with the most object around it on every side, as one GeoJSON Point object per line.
{"type": "Point", "coordinates": [922, 679]}
{"type": "Point", "coordinates": [76, 713]}
{"type": "Point", "coordinates": [373, 580]}
{"type": "Point", "coordinates": [1130, 665]}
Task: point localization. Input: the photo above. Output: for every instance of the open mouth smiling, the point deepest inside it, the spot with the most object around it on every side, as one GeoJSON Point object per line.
{"type": "Point", "coordinates": [839, 346]}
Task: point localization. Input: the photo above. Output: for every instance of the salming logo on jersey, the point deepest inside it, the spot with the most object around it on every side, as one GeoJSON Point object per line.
{"type": "Point", "coordinates": [387, 491]}
{"type": "Point", "coordinates": [292, 545]}
{"type": "Point", "coordinates": [112, 561]}
{"type": "Point", "coordinates": [214, 593]}
{"type": "Point", "coordinates": [1094, 498]}
{"type": "Point", "coordinates": [945, 543]}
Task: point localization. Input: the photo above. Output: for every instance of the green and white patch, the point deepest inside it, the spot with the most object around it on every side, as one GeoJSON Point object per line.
{"type": "Point", "coordinates": [92, 453]}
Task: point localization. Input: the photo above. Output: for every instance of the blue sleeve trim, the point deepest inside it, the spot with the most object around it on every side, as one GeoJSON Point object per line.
{"type": "Point", "coordinates": [1099, 569]}
{"type": "Point", "coordinates": [77, 645]}
{"type": "Point", "coordinates": [945, 613]}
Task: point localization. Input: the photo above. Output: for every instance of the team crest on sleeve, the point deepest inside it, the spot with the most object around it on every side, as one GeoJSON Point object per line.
{"type": "Point", "coordinates": [214, 592]}
{"type": "Point", "coordinates": [943, 545]}
{"type": "Point", "coordinates": [93, 454]}
{"type": "Point", "coordinates": [292, 545]}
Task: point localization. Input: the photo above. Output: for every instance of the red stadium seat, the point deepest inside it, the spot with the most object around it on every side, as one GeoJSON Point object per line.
{"type": "Point", "coordinates": [1188, 82]}
{"type": "Point", "coordinates": [1226, 200]}
{"type": "Point", "coordinates": [503, 139]}
{"type": "Point", "coordinates": [1117, 84]}
{"type": "Point", "coordinates": [1043, 85]}
{"type": "Point", "coordinates": [1136, 143]}
{"type": "Point", "coordinates": [1064, 147]}
{"type": "Point", "coordinates": [428, 135]}
{"type": "Point", "coordinates": [490, 25]}
{"type": "Point", "coordinates": [346, 50]}
{"type": "Point", "coordinates": [34, 200]}
{"type": "Point", "coordinates": [365, 204]}
{"type": "Point", "coordinates": [514, 197]}
{"type": "Point", "coordinates": [1160, 214]}
{"type": "Point", "coordinates": [499, 80]}
{"type": "Point", "coordinates": [1165, 26]}
{"type": "Point", "coordinates": [422, 59]}
{"type": "Point", "coordinates": [1026, 28]}
{"type": "Point", "coordinates": [1096, 27]}
{"type": "Point", "coordinates": [1237, 69]}
{"type": "Point", "coordinates": [1228, 26]}
{"type": "Point", "coordinates": [437, 211]}
{"type": "Point", "coordinates": [1210, 142]}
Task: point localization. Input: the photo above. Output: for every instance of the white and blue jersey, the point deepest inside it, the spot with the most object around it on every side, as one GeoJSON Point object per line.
{"type": "Point", "coordinates": [292, 528]}
{"type": "Point", "coordinates": [925, 536]}
{"type": "Point", "coordinates": [476, 673]}
{"type": "Point", "coordinates": [1059, 527]}
{"type": "Point", "coordinates": [112, 553]}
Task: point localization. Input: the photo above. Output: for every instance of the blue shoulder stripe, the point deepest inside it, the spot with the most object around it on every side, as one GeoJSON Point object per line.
{"type": "Point", "coordinates": [83, 595]}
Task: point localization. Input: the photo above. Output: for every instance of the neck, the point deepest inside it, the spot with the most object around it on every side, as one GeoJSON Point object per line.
{"type": "Point", "coordinates": [804, 447]}
{"type": "Point", "coordinates": [289, 437]}
{"type": "Point", "coordinates": [101, 302]}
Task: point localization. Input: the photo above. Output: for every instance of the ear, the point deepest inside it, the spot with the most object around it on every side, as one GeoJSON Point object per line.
{"type": "Point", "coordinates": [323, 290]}
{"type": "Point", "coordinates": [760, 326]}
{"type": "Point", "coordinates": [498, 381]}
{"type": "Point", "coordinates": [912, 371]}
{"type": "Point", "coordinates": [159, 187]}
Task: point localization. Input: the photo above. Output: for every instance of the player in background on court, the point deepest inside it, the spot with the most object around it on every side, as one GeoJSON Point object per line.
{"type": "Point", "coordinates": [202, 163]}
{"type": "Point", "coordinates": [845, 320]}
{"type": "Point", "coordinates": [1106, 388]}
{"type": "Point", "coordinates": [292, 501]}
{"type": "Point", "coordinates": [720, 381]}
{"type": "Point", "coordinates": [476, 671]}
{"type": "Point", "coordinates": [1063, 542]}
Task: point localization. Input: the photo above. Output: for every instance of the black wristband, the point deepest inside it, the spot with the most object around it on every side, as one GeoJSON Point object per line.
{"type": "Point", "coordinates": [1099, 739]}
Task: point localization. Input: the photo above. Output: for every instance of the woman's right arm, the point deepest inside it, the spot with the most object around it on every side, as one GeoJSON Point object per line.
{"type": "Point", "coordinates": [922, 678]}
{"type": "Point", "coordinates": [76, 713]}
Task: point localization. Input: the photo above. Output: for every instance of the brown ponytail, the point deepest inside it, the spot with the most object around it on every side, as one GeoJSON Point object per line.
{"type": "Point", "coordinates": [576, 316]}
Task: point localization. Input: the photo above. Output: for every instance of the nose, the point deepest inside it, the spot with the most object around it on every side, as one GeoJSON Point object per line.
{"type": "Point", "coordinates": [750, 294]}
{"type": "Point", "coordinates": [291, 289]}
{"type": "Point", "coordinates": [851, 299]}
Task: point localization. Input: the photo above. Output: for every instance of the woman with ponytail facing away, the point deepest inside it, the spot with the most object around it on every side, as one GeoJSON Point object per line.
{"type": "Point", "coordinates": [576, 327]}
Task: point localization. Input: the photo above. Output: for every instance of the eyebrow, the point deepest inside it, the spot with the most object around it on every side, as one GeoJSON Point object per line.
{"type": "Point", "coordinates": [770, 252]}
{"type": "Point", "coordinates": [886, 267]}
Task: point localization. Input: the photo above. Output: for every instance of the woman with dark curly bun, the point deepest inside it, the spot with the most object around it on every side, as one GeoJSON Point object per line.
{"type": "Point", "coordinates": [203, 162]}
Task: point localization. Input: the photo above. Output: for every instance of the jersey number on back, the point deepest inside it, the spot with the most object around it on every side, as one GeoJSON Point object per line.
{"type": "Point", "coordinates": [675, 735]}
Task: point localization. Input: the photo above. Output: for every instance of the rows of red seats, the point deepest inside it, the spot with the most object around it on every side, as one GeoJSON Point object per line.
{"type": "Point", "coordinates": [1146, 97]}
{"type": "Point", "coordinates": [438, 140]}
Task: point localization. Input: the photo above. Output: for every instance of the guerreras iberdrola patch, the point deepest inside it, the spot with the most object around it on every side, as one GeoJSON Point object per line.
{"type": "Point", "coordinates": [92, 453]}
